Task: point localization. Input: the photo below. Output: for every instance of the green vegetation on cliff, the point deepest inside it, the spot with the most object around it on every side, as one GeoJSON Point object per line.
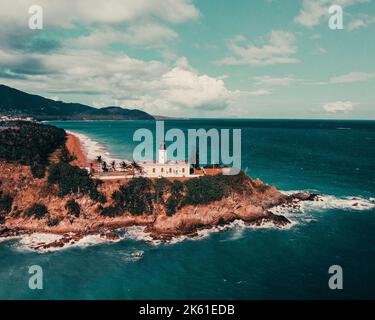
{"type": "Point", "coordinates": [142, 195]}
{"type": "Point", "coordinates": [29, 144]}
{"type": "Point", "coordinates": [6, 202]}
{"type": "Point", "coordinates": [37, 210]}
{"type": "Point", "coordinates": [73, 179]}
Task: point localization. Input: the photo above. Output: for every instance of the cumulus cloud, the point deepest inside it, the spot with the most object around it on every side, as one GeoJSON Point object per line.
{"type": "Point", "coordinates": [77, 65]}
{"type": "Point", "coordinates": [274, 81]}
{"type": "Point", "coordinates": [140, 34]}
{"type": "Point", "coordinates": [363, 22]}
{"type": "Point", "coordinates": [141, 22]}
{"type": "Point", "coordinates": [185, 87]}
{"type": "Point", "coordinates": [338, 106]}
{"type": "Point", "coordinates": [312, 12]}
{"type": "Point", "coordinates": [279, 49]}
{"type": "Point", "coordinates": [352, 77]}
{"type": "Point", "coordinates": [66, 13]}
{"type": "Point", "coordinates": [119, 79]}
{"type": "Point", "coordinates": [259, 92]}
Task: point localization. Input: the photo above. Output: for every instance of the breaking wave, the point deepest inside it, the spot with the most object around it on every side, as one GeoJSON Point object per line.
{"type": "Point", "coordinates": [35, 242]}
{"type": "Point", "coordinates": [302, 211]}
{"type": "Point", "coordinates": [326, 203]}
{"type": "Point", "coordinates": [93, 148]}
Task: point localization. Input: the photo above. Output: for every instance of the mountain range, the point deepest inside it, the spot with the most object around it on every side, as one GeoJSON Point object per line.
{"type": "Point", "coordinates": [14, 102]}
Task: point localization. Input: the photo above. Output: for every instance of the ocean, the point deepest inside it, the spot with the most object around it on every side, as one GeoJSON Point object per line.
{"type": "Point", "coordinates": [333, 158]}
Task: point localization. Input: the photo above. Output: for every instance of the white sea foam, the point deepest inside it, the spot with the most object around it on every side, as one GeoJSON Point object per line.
{"type": "Point", "coordinates": [138, 233]}
{"type": "Point", "coordinates": [31, 242]}
{"type": "Point", "coordinates": [5, 239]}
{"type": "Point", "coordinates": [91, 240]}
{"type": "Point", "coordinates": [325, 203]}
{"type": "Point", "coordinates": [302, 211]}
{"type": "Point", "coordinates": [131, 256]}
{"type": "Point", "coordinates": [36, 241]}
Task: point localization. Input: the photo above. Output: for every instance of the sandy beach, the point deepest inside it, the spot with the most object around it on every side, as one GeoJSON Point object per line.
{"type": "Point", "coordinates": [74, 147]}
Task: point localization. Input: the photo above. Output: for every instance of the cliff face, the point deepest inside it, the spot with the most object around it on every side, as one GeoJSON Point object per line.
{"type": "Point", "coordinates": [251, 205]}
{"type": "Point", "coordinates": [60, 197]}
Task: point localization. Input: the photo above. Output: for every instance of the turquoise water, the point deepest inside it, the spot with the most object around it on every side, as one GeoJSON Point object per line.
{"type": "Point", "coordinates": [335, 158]}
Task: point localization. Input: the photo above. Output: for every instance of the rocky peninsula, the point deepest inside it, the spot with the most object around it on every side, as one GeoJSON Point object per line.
{"type": "Point", "coordinates": [65, 201]}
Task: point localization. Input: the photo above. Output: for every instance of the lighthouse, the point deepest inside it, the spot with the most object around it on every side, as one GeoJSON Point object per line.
{"type": "Point", "coordinates": [162, 153]}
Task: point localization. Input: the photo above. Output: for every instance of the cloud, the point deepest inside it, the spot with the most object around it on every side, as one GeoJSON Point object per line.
{"type": "Point", "coordinates": [66, 14]}
{"type": "Point", "coordinates": [363, 22]}
{"type": "Point", "coordinates": [356, 24]}
{"type": "Point", "coordinates": [151, 34]}
{"type": "Point", "coordinates": [82, 64]}
{"type": "Point", "coordinates": [257, 93]}
{"type": "Point", "coordinates": [319, 51]}
{"type": "Point", "coordinates": [315, 36]}
{"type": "Point", "coordinates": [183, 86]}
{"type": "Point", "coordinates": [119, 79]}
{"type": "Point", "coordinates": [312, 12]}
{"type": "Point", "coordinates": [279, 49]}
{"type": "Point", "coordinates": [274, 81]}
{"type": "Point", "coordinates": [352, 77]}
{"type": "Point", "coordinates": [141, 22]}
{"type": "Point", "coordinates": [338, 107]}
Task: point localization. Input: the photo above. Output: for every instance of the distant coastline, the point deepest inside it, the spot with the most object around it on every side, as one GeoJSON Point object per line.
{"type": "Point", "coordinates": [16, 103]}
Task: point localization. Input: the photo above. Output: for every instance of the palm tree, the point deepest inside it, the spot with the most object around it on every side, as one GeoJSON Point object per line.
{"type": "Point", "coordinates": [113, 165]}
{"type": "Point", "coordinates": [124, 165]}
{"type": "Point", "coordinates": [136, 167]}
{"type": "Point", "coordinates": [104, 166]}
{"type": "Point", "coordinates": [99, 159]}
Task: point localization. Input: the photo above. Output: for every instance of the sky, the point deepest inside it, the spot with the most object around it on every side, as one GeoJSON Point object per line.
{"type": "Point", "coordinates": [196, 58]}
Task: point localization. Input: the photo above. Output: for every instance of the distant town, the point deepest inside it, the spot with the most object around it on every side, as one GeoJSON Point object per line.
{"type": "Point", "coordinates": [15, 118]}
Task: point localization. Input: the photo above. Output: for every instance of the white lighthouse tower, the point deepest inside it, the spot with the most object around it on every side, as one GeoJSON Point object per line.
{"type": "Point", "coordinates": [162, 153]}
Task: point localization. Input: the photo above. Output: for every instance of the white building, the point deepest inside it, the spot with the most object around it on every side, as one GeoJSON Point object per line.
{"type": "Point", "coordinates": [165, 168]}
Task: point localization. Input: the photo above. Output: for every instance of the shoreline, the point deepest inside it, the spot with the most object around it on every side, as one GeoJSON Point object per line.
{"type": "Point", "coordinates": [90, 148]}
{"type": "Point", "coordinates": [281, 217]}
{"type": "Point", "coordinates": [255, 204]}
{"type": "Point", "coordinates": [75, 148]}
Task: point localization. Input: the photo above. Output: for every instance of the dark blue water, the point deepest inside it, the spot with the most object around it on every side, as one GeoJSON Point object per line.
{"type": "Point", "coordinates": [333, 157]}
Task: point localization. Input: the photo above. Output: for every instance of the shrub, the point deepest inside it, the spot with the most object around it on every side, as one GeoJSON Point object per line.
{"type": "Point", "coordinates": [177, 188]}
{"type": "Point", "coordinates": [171, 206]}
{"type": "Point", "coordinates": [65, 156]}
{"type": "Point", "coordinates": [97, 196]}
{"type": "Point", "coordinates": [204, 190]}
{"type": "Point", "coordinates": [37, 210]}
{"type": "Point", "coordinates": [112, 211]}
{"type": "Point", "coordinates": [38, 170]}
{"type": "Point", "coordinates": [6, 202]}
{"type": "Point", "coordinates": [16, 214]}
{"type": "Point", "coordinates": [137, 196]}
{"type": "Point", "coordinates": [118, 198]}
{"type": "Point", "coordinates": [28, 143]}
{"type": "Point", "coordinates": [160, 186]}
{"type": "Point", "coordinates": [73, 207]}
{"type": "Point", "coordinates": [53, 222]}
{"type": "Point", "coordinates": [73, 179]}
